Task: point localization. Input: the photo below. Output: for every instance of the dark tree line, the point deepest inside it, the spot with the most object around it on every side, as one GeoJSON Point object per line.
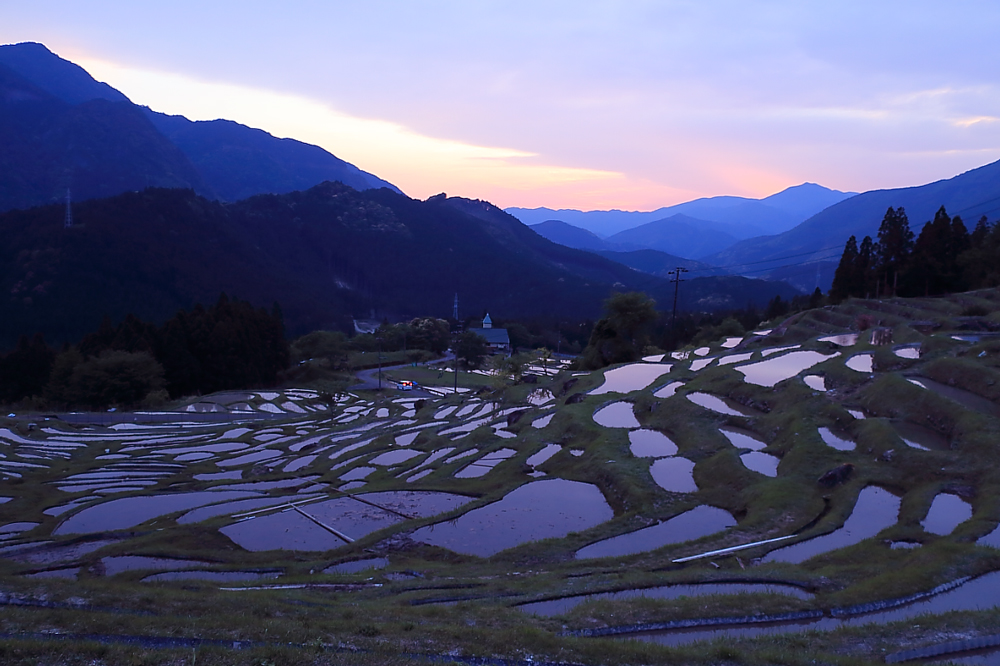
{"type": "Point", "coordinates": [228, 345]}
{"type": "Point", "coordinates": [944, 258]}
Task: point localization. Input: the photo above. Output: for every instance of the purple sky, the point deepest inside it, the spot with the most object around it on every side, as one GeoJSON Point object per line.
{"type": "Point", "coordinates": [568, 104]}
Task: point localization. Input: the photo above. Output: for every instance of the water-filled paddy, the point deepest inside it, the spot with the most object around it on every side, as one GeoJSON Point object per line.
{"type": "Point", "coordinates": [815, 382]}
{"type": "Point", "coordinates": [774, 370]}
{"type": "Point", "coordinates": [482, 466]}
{"type": "Point", "coordinates": [632, 377]}
{"type": "Point", "coordinates": [860, 363]}
{"type": "Point", "coordinates": [282, 531]}
{"type": "Point", "coordinates": [547, 452]}
{"type": "Point", "coordinates": [967, 399]}
{"type": "Point", "coordinates": [875, 510]}
{"type": "Point", "coordinates": [395, 457]}
{"type": "Point", "coordinates": [561, 606]}
{"type": "Point", "coordinates": [835, 441]}
{"type": "Point", "coordinates": [650, 444]}
{"type": "Point", "coordinates": [742, 440]}
{"type": "Point", "coordinates": [128, 512]}
{"type": "Point", "coordinates": [978, 594]}
{"type": "Point", "coordinates": [694, 524]}
{"type": "Point", "coordinates": [716, 404]}
{"type": "Point", "coordinates": [674, 474]}
{"type": "Point", "coordinates": [946, 513]}
{"type": "Point", "coordinates": [842, 339]}
{"type": "Point", "coordinates": [701, 363]}
{"type": "Point", "coordinates": [213, 576]}
{"type": "Point", "coordinates": [762, 463]}
{"type": "Point", "coordinates": [617, 415]}
{"type": "Point", "coordinates": [668, 390]}
{"type": "Point", "coordinates": [543, 421]}
{"type": "Point", "coordinates": [919, 437]}
{"type": "Point", "coordinates": [537, 510]}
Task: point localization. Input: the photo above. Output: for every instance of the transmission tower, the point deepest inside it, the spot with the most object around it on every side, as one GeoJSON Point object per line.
{"type": "Point", "coordinates": [68, 222]}
{"type": "Point", "coordinates": [454, 312]}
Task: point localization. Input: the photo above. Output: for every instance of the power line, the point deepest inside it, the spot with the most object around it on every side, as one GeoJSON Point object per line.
{"type": "Point", "coordinates": [767, 261]}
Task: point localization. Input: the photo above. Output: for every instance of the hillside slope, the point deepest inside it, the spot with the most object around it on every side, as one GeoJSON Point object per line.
{"type": "Point", "coordinates": [324, 254]}
{"type": "Point", "coordinates": [97, 148]}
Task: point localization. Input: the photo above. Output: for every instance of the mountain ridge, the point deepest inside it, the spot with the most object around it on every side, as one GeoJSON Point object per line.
{"type": "Point", "coordinates": [219, 159]}
{"type": "Point", "coordinates": [822, 237]}
{"type": "Point", "coordinates": [777, 212]}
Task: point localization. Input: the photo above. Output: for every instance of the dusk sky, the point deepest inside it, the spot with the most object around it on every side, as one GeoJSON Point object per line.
{"type": "Point", "coordinates": [588, 105]}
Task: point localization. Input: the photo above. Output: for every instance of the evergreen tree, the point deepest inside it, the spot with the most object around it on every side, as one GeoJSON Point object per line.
{"type": "Point", "coordinates": [863, 280]}
{"type": "Point", "coordinates": [843, 277]}
{"type": "Point", "coordinates": [934, 268]}
{"type": "Point", "coordinates": [895, 240]}
{"type": "Point", "coordinates": [979, 234]}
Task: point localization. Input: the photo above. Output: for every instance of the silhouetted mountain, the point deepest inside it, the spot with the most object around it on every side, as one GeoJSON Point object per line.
{"type": "Point", "coordinates": [237, 161]}
{"type": "Point", "coordinates": [323, 254]}
{"type": "Point", "coordinates": [60, 78]}
{"type": "Point", "coordinates": [559, 232]}
{"type": "Point", "coordinates": [678, 235]}
{"type": "Point", "coordinates": [67, 130]}
{"type": "Point", "coordinates": [747, 217]}
{"type": "Point", "coordinates": [97, 148]}
{"type": "Point", "coordinates": [803, 201]}
{"type": "Point", "coordinates": [822, 237]}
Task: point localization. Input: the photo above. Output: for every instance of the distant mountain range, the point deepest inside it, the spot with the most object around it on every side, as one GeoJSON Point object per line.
{"type": "Point", "coordinates": [814, 247]}
{"type": "Point", "coordinates": [61, 130]}
{"type": "Point", "coordinates": [738, 216]}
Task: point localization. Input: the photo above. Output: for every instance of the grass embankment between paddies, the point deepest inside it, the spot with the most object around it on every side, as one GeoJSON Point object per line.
{"type": "Point", "coordinates": [425, 602]}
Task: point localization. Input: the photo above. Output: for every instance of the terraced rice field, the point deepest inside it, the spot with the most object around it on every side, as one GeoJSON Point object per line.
{"type": "Point", "coordinates": [803, 477]}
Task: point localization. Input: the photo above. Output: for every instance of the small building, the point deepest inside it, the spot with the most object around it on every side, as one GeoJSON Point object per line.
{"type": "Point", "coordinates": [496, 338]}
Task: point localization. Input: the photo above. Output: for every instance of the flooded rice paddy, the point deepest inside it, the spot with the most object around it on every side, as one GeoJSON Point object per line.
{"type": "Point", "coordinates": [762, 463]}
{"type": "Point", "coordinates": [875, 510]}
{"type": "Point", "coordinates": [617, 415]}
{"type": "Point", "coordinates": [537, 510]}
{"type": "Point", "coordinates": [778, 369]}
{"type": "Point", "coordinates": [694, 524]}
{"type": "Point", "coordinates": [650, 444]}
{"type": "Point", "coordinates": [633, 377]}
{"type": "Point", "coordinates": [674, 474]}
{"type": "Point", "coordinates": [980, 593]}
{"type": "Point", "coordinates": [946, 513]}
{"type": "Point", "coordinates": [860, 363]}
{"type": "Point", "coordinates": [742, 440]}
{"type": "Point", "coordinates": [717, 404]}
{"type": "Point", "coordinates": [553, 607]}
{"type": "Point", "coordinates": [836, 441]}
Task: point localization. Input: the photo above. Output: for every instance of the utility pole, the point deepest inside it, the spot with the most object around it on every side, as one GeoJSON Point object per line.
{"type": "Point", "coordinates": [677, 282]}
{"type": "Point", "coordinates": [379, 338]}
